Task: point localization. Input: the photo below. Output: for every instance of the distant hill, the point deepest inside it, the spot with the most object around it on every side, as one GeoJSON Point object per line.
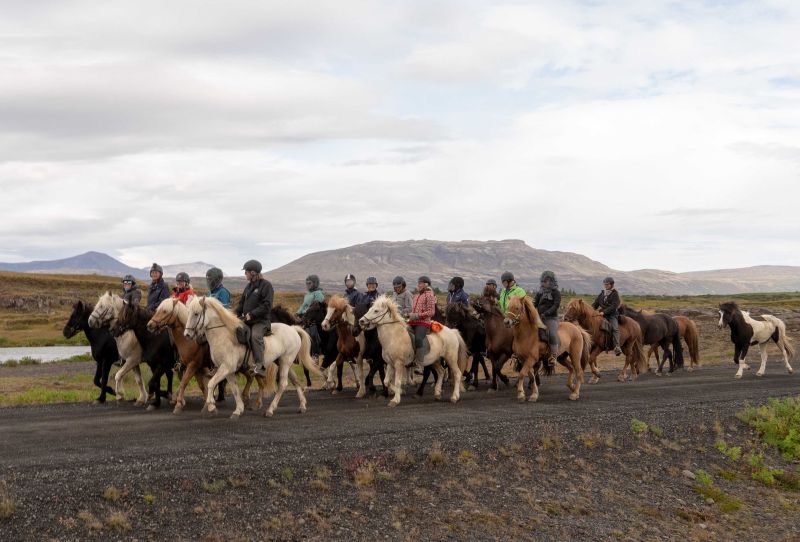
{"type": "Point", "coordinates": [477, 261]}
{"type": "Point", "coordinates": [98, 263]}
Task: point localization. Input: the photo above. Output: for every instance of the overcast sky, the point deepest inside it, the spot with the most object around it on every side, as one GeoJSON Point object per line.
{"type": "Point", "coordinates": [641, 134]}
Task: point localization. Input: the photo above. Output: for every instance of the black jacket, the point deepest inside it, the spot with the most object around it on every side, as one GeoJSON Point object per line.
{"type": "Point", "coordinates": [157, 293]}
{"type": "Point", "coordinates": [132, 296]}
{"type": "Point", "coordinates": [609, 305]}
{"type": "Point", "coordinates": [256, 300]}
{"type": "Point", "coordinates": [547, 302]}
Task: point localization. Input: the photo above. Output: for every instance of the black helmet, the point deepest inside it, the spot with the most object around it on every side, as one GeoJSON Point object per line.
{"type": "Point", "coordinates": [252, 265]}
{"type": "Point", "coordinates": [492, 282]}
{"type": "Point", "coordinates": [548, 275]}
{"type": "Point", "coordinates": [508, 275]}
{"type": "Point", "coordinates": [458, 282]}
{"type": "Point", "coordinates": [314, 280]}
{"type": "Point", "coordinates": [608, 280]}
{"type": "Point", "coordinates": [398, 281]}
{"type": "Point", "coordinates": [349, 276]}
{"type": "Point", "coordinates": [156, 267]}
{"type": "Point", "coordinates": [372, 280]}
{"type": "Point", "coordinates": [213, 277]}
{"type": "Point", "coordinates": [129, 278]}
{"type": "Point", "coordinates": [182, 276]}
{"type": "Point", "coordinates": [425, 279]}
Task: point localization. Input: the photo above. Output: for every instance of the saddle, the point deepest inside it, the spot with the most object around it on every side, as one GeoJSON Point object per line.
{"type": "Point", "coordinates": [243, 334]}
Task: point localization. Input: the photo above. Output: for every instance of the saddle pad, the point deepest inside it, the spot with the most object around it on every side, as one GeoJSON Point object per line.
{"type": "Point", "coordinates": [243, 334]}
{"type": "Point", "coordinates": [436, 327]}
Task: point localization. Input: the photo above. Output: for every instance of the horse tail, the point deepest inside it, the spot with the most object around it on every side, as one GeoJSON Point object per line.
{"type": "Point", "coordinates": [269, 382]}
{"type": "Point", "coordinates": [587, 348]}
{"type": "Point", "coordinates": [637, 352]}
{"type": "Point", "coordinates": [305, 352]}
{"type": "Point", "coordinates": [692, 339]}
{"type": "Point", "coordinates": [783, 339]}
{"type": "Point", "coordinates": [463, 353]}
{"type": "Point", "coordinates": [677, 348]}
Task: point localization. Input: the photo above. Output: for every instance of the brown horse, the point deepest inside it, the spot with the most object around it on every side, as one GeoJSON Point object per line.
{"type": "Point", "coordinates": [630, 338]}
{"type": "Point", "coordinates": [499, 338]}
{"type": "Point", "coordinates": [340, 315]}
{"type": "Point", "coordinates": [573, 353]}
{"type": "Point", "coordinates": [687, 329]}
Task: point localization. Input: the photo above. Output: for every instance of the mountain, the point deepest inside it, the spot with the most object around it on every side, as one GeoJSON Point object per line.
{"type": "Point", "coordinates": [477, 261]}
{"type": "Point", "coordinates": [98, 263]}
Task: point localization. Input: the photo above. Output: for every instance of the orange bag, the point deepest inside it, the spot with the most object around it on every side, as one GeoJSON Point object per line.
{"type": "Point", "coordinates": [436, 327]}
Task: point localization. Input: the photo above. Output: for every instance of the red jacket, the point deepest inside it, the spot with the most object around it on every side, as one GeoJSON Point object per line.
{"type": "Point", "coordinates": [182, 295]}
{"type": "Point", "coordinates": [424, 306]}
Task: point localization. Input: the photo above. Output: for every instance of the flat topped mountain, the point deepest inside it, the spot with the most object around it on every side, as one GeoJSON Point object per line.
{"type": "Point", "coordinates": [477, 261]}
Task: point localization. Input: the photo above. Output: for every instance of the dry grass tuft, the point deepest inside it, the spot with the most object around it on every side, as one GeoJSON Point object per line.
{"type": "Point", "coordinates": [436, 455]}
{"type": "Point", "coordinates": [118, 521]}
{"type": "Point", "coordinates": [7, 506]}
{"type": "Point", "coordinates": [89, 519]}
{"type": "Point", "coordinates": [404, 457]}
{"type": "Point", "coordinates": [364, 476]}
{"type": "Point", "coordinates": [213, 487]}
{"type": "Point", "coordinates": [112, 494]}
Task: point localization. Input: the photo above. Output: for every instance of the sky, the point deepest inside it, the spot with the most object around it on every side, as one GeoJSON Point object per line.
{"type": "Point", "coordinates": [641, 134]}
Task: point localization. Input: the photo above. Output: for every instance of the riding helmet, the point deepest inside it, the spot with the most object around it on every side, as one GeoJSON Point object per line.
{"type": "Point", "coordinates": [372, 280]}
{"type": "Point", "coordinates": [182, 276]}
{"type": "Point", "coordinates": [349, 276]}
{"type": "Point", "coordinates": [425, 279]}
{"type": "Point", "coordinates": [157, 268]}
{"type": "Point", "coordinates": [458, 282]}
{"type": "Point", "coordinates": [492, 282]}
{"type": "Point", "coordinates": [313, 280]}
{"type": "Point", "coordinates": [608, 280]}
{"type": "Point", "coordinates": [508, 275]}
{"type": "Point", "coordinates": [129, 278]}
{"type": "Point", "coordinates": [213, 277]}
{"type": "Point", "coordinates": [398, 281]}
{"type": "Point", "coordinates": [252, 265]}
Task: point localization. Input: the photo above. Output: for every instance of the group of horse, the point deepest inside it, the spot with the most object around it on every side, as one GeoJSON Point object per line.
{"type": "Point", "coordinates": [200, 339]}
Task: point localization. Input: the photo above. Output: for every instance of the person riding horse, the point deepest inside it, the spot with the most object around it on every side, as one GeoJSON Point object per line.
{"type": "Point", "coordinates": [510, 289]}
{"type": "Point", "coordinates": [130, 291]}
{"type": "Point", "coordinates": [254, 308]}
{"type": "Point", "coordinates": [490, 289]}
{"type": "Point", "coordinates": [456, 293]}
{"type": "Point", "coordinates": [607, 303]}
{"type": "Point", "coordinates": [401, 296]}
{"type": "Point", "coordinates": [420, 318]}
{"type": "Point", "coordinates": [158, 290]}
{"type": "Point", "coordinates": [183, 289]}
{"type": "Point", "coordinates": [369, 297]}
{"type": "Point", "coordinates": [314, 293]}
{"type": "Point", "coordinates": [547, 301]}
{"type": "Point", "coordinates": [215, 287]}
{"type": "Point", "coordinates": [351, 293]}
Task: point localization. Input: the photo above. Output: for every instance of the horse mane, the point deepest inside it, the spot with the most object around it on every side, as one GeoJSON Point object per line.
{"type": "Point", "coordinates": [729, 306]}
{"type": "Point", "coordinates": [389, 305]}
{"type": "Point", "coordinates": [527, 303]}
{"type": "Point", "coordinates": [228, 318]}
{"type": "Point", "coordinates": [338, 302]}
{"type": "Point", "coordinates": [592, 316]}
{"type": "Point", "coordinates": [283, 316]}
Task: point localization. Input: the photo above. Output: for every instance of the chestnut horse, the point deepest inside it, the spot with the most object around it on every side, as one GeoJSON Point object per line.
{"type": "Point", "coordinates": [573, 352]}
{"type": "Point", "coordinates": [499, 338]}
{"type": "Point", "coordinates": [340, 317]}
{"type": "Point", "coordinates": [630, 338]}
{"type": "Point", "coordinates": [688, 332]}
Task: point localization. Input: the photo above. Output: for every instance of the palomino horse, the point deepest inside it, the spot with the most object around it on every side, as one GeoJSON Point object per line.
{"type": "Point", "coordinates": [340, 317]}
{"type": "Point", "coordinates": [499, 338]}
{"type": "Point", "coordinates": [398, 349]}
{"type": "Point", "coordinates": [208, 316]}
{"type": "Point", "coordinates": [104, 347]}
{"type": "Point", "coordinates": [106, 313]}
{"type": "Point", "coordinates": [745, 331]}
{"type": "Point", "coordinates": [658, 329]}
{"type": "Point", "coordinates": [687, 330]}
{"type": "Point", "coordinates": [630, 338]}
{"type": "Point", "coordinates": [524, 319]}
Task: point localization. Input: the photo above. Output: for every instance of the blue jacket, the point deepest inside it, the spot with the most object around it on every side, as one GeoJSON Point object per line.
{"type": "Point", "coordinates": [221, 294]}
{"type": "Point", "coordinates": [353, 296]}
{"type": "Point", "coordinates": [459, 296]}
{"type": "Point", "coordinates": [367, 298]}
{"type": "Point", "coordinates": [157, 293]}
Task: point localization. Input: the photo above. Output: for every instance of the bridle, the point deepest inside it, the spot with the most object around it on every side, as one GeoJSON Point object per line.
{"type": "Point", "coordinates": [169, 320]}
{"type": "Point", "coordinates": [377, 321]}
{"type": "Point", "coordinates": [515, 318]}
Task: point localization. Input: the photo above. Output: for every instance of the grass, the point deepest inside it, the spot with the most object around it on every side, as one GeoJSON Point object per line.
{"type": "Point", "coordinates": [213, 487]}
{"type": "Point", "coordinates": [112, 494]}
{"type": "Point", "coordinates": [706, 488]}
{"type": "Point", "coordinates": [734, 453]}
{"type": "Point", "coordinates": [149, 498]}
{"type": "Point", "coordinates": [7, 506]}
{"type": "Point", "coordinates": [638, 426]}
{"type": "Point", "coordinates": [436, 454]}
{"type": "Point", "coordinates": [118, 521]}
{"type": "Point", "coordinates": [287, 474]}
{"type": "Point", "coordinates": [778, 424]}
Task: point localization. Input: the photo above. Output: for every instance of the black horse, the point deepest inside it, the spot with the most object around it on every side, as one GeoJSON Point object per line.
{"type": "Point", "coordinates": [157, 350]}
{"type": "Point", "coordinates": [474, 334]}
{"type": "Point", "coordinates": [373, 351]}
{"type": "Point", "coordinates": [323, 342]}
{"type": "Point", "coordinates": [660, 329]}
{"type": "Point", "coordinates": [104, 347]}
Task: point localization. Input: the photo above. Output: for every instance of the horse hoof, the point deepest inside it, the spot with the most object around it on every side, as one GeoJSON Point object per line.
{"type": "Point", "coordinates": [234, 416]}
{"type": "Point", "coordinates": [393, 403]}
{"type": "Point", "coordinates": [759, 374]}
{"type": "Point", "coordinates": [594, 380]}
{"type": "Point", "coordinates": [533, 398]}
{"type": "Point", "coordinates": [151, 408]}
{"type": "Point", "coordinates": [268, 413]}
{"type": "Point", "coordinates": [302, 410]}
{"type": "Point", "coordinates": [737, 376]}
{"type": "Point", "coordinates": [573, 396]}
{"type": "Point", "coordinates": [790, 371]}
{"type": "Point", "coordinates": [177, 410]}
{"type": "Point", "coordinates": [334, 392]}
{"type": "Point", "coordinates": [521, 398]}
{"type": "Point", "coordinates": [437, 397]}
{"type": "Point", "coordinates": [454, 400]}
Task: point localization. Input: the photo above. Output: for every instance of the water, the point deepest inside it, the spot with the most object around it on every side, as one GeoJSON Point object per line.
{"type": "Point", "coordinates": [43, 353]}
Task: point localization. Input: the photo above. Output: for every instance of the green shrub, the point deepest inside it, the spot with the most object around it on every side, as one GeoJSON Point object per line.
{"type": "Point", "coordinates": [778, 424]}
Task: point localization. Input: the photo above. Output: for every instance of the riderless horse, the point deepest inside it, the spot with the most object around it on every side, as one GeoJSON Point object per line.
{"type": "Point", "coordinates": [658, 329]}
{"type": "Point", "coordinates": [102, 343]}
{"type": "Point", "coordinates": [687, 330]}
{"type": "Point", "coordinates": [747, 332]}
{"type": "Point", "coordinates": [474, 334]}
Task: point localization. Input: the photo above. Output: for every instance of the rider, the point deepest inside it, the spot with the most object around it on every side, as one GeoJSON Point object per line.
{"type": "Point", "coordinates": [510, 289]}
{"type": "Point", "coordinates": [314, 293]}
{"type": "Point", "coordinates": [351, 293]}
{"type": "Point", "coordinates": [401, 296]}
{"type": "Point", "coordinates": [456, 293]}
{"type": "Point", "coordinates": [490, 289]}
{"type": "Point", "coordinates": [372, 292]}
{"type": "Point", "coordinates": [547, 301]}
{"type": "Point", "coordinates": [158, 290]}
{"type": "Point", "coordinates": [183, 289]}
{"type": "Point", "coordinates": [254, 308]}
{"type": "Point", "coordinates": [608, 304]}
{"type": "Point", "coordinates": [422, 310]}
{"type": "Point", "coordinates": [130, 291]}
{"type": "Point", "coordinates": [215, 287]}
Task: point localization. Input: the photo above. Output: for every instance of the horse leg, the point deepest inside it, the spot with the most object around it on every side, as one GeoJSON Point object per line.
{"type": "Point", "coordinates": [154, 386]}
{"type": "Point", "coordinates": [339, 369]}
{"type": "Point", "coordinates": [440, 373]}
{"type": "Point", "coordinates": [575, 365]}
{"type": "Point", "coordinates": [137, 375]}
{"type": "Point", "coordinates": [382, 374]}
{"type": "Point", "coordinates": [168, 395]}
{"type": "Point", "coordinates": [301, 396]}
{"type": "Point", "coordinates": [763, 353]}
{"type": "Point", "coordinates": [221, 391]}
{"type": "Point", "coordinates": [223, 370]}
{"type": "Point", "coordinates": [237, 397]}
{"type": "Point", "coordinates": [452, 362]}
{"type": "Point", "coordinates": [739, 356]}
{"type": "Point", "coordinates": [188, 373]}
{"type": "Point", "coordinates": [308, 377]}
{"type": "Point", "coordinates": [781, 342]}
{"type": "Point", "coordinates": [119, 375]}
{"type": "Point", "coordinates": [534, 382]}
{"type": "Point", "coordinates": [101, 380]}
{"type": "Point", "coordinates": [396, 370]}
{"type": "Point", "coordinates": [426, 372]}
{"type": "Point", "coordinates": [472, 377]}
{"type": "Point", "coordinates": [524, 370]}
{"type": "Point", "coordinates": [283, 381]}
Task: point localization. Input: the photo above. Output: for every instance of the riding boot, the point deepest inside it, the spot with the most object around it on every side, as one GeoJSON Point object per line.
{"type": "Point", "coordinates": [422, 351]}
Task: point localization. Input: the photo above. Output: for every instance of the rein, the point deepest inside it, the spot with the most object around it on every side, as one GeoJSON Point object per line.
{"type": "Point", "coordinates": [515, 318]}
{"type": "Point", "coordinates": [376, 322]}
{"type": "Point", "coordinates": [169, 320]}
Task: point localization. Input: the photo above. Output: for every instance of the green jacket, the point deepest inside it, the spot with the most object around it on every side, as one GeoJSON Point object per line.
{"type": "Point", "coordinates": [309, 298]}
{"type": "Point", "coordinates": [505, 293]}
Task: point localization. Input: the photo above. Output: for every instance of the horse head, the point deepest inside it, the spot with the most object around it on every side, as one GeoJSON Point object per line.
{"type": "Point", "coordinates": [576, 310]}
{"type": "Point", "coordinates": [105, 311]}
{"type": "Point", "coordinates": [164, 316]}
{"type": "Point", "coordinates": [455, 315]}
{"type": "Point", "coordinates": [727, 311]}
{"type": "Point", "coordinates": [383, 311]}
{"type": "Point", "coordinates": [315, 313]}
{"type": "Point", "coordinates": [196, 321]}
{"type": "Point", "coordinates": [515, 312]}
{"type": "Point", "coordinates": [76, 320]}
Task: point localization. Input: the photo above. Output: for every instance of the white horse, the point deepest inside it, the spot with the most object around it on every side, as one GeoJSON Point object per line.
{"type": "Point", "coordinates": [398, 349]}
{"type": "Point", "coordinates": [107, 312]}
{"type": "Point", "coordinates": [282, 347]}
{"type": "Point", "coordinates": [746, 331]}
